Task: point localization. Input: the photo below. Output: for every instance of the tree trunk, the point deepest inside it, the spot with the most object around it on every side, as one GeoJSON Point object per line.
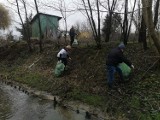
{"type": "Point", "coordinates": [125, 24]}
{"type": "Point", "coordinates": [108, 32]}
{"type": "Point", "coordinates": [156, 13]}
{"type": "Point", "coordinates": [89, 19]}
{"type": "Point", "coordinates": [25, 31]}
{"type": "Point", "coordinates": [96, 33]}
{"type": "Point", "coordinates": [28, 32]}
{"type": "Point", "coordinates": [129, 28]}
{"type": "Point", "coordinates": [139, 19]}
{"type": "Point", "coordinates": [147, 12]}
{"type": "Point", "coordinates": [111, 10]}
{"type": "Point", "coordinates": [142, 34]}
{"type": "Point", "coordinates": [40, 30]}
{"type": "Point", "coordinates": [99, 26]}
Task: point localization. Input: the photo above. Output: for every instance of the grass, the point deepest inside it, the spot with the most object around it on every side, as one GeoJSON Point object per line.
{"type": "Point", "coordinates": [88, 98]}
{"type": "Point", "coordinates": [86, 79]}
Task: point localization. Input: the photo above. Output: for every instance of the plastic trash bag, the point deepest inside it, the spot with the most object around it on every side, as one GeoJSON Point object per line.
{"type": "Point", "coordinates": [126, 70]}
{"type": "Point", "coordinates": [75, 42]}
{"type": "Point", "coordinates": [59, 68]}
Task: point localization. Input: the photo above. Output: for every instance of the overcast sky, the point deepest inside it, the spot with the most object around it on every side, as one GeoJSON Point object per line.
{"type": "Point", "coordinates": [72, 17]}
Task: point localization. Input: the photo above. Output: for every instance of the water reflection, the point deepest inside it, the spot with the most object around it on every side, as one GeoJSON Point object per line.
{"type": "Point", "coordinates": [15, 105]}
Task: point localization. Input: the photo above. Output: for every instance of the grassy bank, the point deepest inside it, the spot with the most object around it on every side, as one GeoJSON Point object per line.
{"type": "Point", "coordinates": [86, 78]}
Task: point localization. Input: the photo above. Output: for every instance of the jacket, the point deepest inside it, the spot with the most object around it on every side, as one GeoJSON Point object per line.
{"type": "Point", "coordinates": [72, 32]}
{"type": "Point", "coordinates": [115, 57]}
{"type": "Point", "coordinates": [62, 54]}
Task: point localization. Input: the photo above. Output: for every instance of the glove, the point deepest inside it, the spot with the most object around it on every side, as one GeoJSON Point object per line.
{"type": "Point", "coordinates": [70, 58]}
{"type": "Point", "coordinates": [132, 66]}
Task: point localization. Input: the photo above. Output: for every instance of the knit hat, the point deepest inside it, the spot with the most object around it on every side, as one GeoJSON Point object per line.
{"type": "Point", "coordinates": [121, 46]}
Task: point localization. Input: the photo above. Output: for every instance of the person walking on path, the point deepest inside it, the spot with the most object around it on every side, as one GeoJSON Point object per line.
{"type": "Point", "coordinates": [63, 55]}
{"type": "Point", "coordinates": [72, 35]}
{"type": "Point", "coordinates": [114, 58]}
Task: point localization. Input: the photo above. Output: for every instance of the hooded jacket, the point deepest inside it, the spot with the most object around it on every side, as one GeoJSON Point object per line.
{"type": "Point", "coordinates": [115, 57]}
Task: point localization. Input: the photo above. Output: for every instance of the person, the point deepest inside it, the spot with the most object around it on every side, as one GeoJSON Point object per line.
{"type": "Point", "coordinates": [72, 35]}
{"type": "Point", "coordinates": [114, 58]}
{"type": "Point", "coordinates": [63, 55]}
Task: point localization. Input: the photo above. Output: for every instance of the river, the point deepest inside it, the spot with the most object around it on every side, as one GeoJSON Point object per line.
{"type": "Point", "coordinates": [16, 105]}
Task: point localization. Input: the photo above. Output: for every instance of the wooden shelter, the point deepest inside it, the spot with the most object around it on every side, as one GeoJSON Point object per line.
{"type": "Point", "coordinates": [49, 26]}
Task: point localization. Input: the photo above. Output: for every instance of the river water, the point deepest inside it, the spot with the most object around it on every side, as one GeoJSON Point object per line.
{"type": "Point", "coordinates": [16, 105]}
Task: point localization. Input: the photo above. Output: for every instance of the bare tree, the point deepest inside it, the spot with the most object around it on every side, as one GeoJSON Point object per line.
{"type": "Point", "coordinates": [126, 25]}
{"type": "Point", "coordinates": [60, 6]}
{"type": "Point", "coordinates": [99, 26]}
{"type": "Point", "coordinates": [156, 12]}
{"type": "Point", "coordinates": [141, 30]}
{"type": "Point", "coordinates": [147, 13]}
{"type": "Point", "coordinates": [95, 28]}
{"type": "Point", "coordinates": [111, 8]}
{"type": "Point", "coordinates": [142, 34]}
{"type": "Point", "coordinates": [24, 28]}
{"type": "Point", "coordinates": [28, 28]}
{"type": "Point", "coordinates": [40, 30]}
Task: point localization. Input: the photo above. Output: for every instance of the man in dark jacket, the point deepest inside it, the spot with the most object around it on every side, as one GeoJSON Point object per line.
{"type": "Point", "coordinates": [72, 35]}
{"type": "Point", "coordinates": [113, 59]}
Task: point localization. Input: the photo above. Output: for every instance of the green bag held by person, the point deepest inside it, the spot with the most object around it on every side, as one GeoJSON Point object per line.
{"type": "Point", "coordinates": [59, 68]}
{"type": "Point", "coordinates": [126, 70]}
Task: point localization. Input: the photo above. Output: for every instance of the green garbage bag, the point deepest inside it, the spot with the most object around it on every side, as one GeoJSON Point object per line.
{"type": "Point", "coordinates": [59, 68]}
{"type": "Point", "coordinates": [75, 43]}
{"type": "Point", "coordinates": [126, 70]}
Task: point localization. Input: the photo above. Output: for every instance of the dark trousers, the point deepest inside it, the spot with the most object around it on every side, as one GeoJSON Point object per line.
{"type": "Point", "coordinates": [72, 40]}
{"type": "Point", "coordinates": [64, 60]}
{"type": "Point", "coordinates": [110, 74]}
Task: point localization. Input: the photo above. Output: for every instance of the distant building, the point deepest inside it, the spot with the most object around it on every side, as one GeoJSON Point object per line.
{"type": "Point", "coordinates": [49, 26]}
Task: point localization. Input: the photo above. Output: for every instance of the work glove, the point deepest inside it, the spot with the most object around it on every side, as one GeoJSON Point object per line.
{"type": "Point", "coordinates": [70, 58]}
{"type": "Point", "coordinates": [132, 66]}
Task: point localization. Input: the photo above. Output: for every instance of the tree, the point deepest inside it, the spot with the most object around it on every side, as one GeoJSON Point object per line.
{"type": "Point", "coordinates": [10, 36]}
{"type": "Point", "coordinates": [95, 28]}
{"type": "Point", "coordinates": [147, 13]}
{"type": "Point", "coordinates": [22, 31]}
{"type": "Point", "coordinates": [39, 24]}
{"type": "Point", "coordinates": [126, 27]}
{"type": "Point", "coordinates": [142, 34]}
{"type": "Point", "coordinates": [113, 28]}
{"type": "Point", "coordinates": [141, 30]}
{"type": "Point", "coordinates": [109, 18]}
{"type": "Point", "coordinates": [156, 12]}
{"type": "Point", "coordinates": [5, 19]}
{"type": "Point", "coordinates": [25, 29]}
{"type": "Point", "coordinates": [137, 21]}
{"type": "Point", "coordinates": [60, 6]}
